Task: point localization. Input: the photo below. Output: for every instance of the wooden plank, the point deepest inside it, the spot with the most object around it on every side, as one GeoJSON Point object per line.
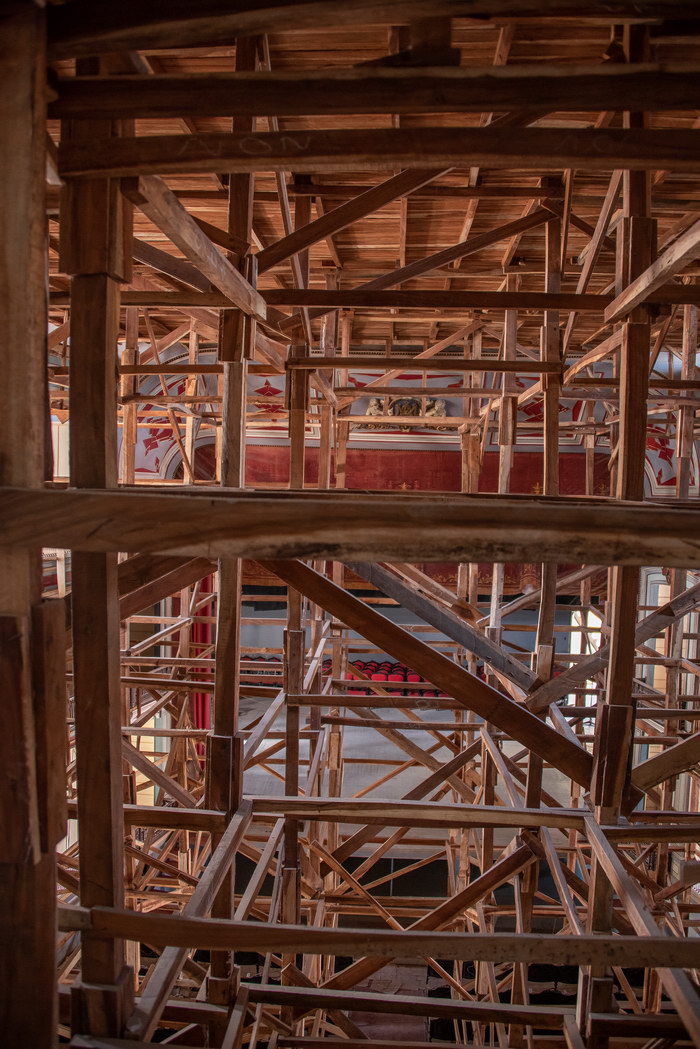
{"type": "Point", "coordinates": [146, 25]}
{"type": "Point", "coordinates": [163, 584]}
{"type": "Point", "coordinates": [408, 527]}
{"type": "Point", "coordinates": [50, 717]}
{"type": "Point", "coordinates": [378, 90]}
{"type": "Point", "coordinates": [162, 207]}
{"type": "Point", "coordinates": [453, 626]}
{"type": "Point", "coordinates": [27, 878]}
{"type": "Point", "coordinates": [163, 262]}
{"type": "Point", "coordinates": [483, 1012]}
{"type": "Point", "coordinates": [414, 813]}
{"type": "Point", "coordinates": [421, 363]}
{"type": "Point", "coordinates": [676, 256]}
{"type": "Point", "coordinates": [670, 762]}
{"type": "Point", "coordinates": [163, 931]}
{"type": "Point", "coordinates": [156, 775]}
{"type": "Point", "coordinates": [365, 297]}
{"type": "Point", "coordinates": [677, 983]}
{"type": "Point", "coordinates": [18, 784]}
{"type": "Point", "coordinates": [649, 627]}
{"type": "Point", "coordinates": [344, 215]}
{"type": "Point", "coordinates": [146, 1014]}
{"type": "Point", "coordinates": [539, 149]}
{"type": "Point", "coordinates": [446, 675]}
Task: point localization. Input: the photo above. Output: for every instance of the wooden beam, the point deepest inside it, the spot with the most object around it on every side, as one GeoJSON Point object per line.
{"type": "Point", "coordinates": [18, 786]}
{"type": "Point", "coordinates": [376, 90]}
{"type": "Point", "coordinates": [157, 776]}
{"type": "Point", "coordinates": [677, 983]}
{"type": "Point", "coordinates": [94, 250]}
{"type": "Point", "coordinates": [162, 584]}
{"type": "Point", "coordinates": [29, 758]}
{"type": "Point", "coordinates": [145, 1016]}
{"type": "Point", "coordinates": [163, 262]}
{"type": "Point", "coordinates": [408, 527]}
{"type": "Point", "coordinates": [506, 868]}
{"type": "Point", "coordinates": [143, 25]}
{"type": "Point", "coordinates": [344, 215]}
{"type": "Point", "coordinates": [167, 818]}
{"type": "Point", "coordinates": [671, 762]}
{"type": "Point", "coordinates": [594, 247]}
{"type": "Point", "coordinates": [446, 675]}
{"type": "Point", "coordinates": [430, 352]}
{"type": "Point", "coordinates": [374, 297]}
{"type": "Point", "coordinates": [423, 363]}
{"type": "Point", "coordinates": [651, 626]}
{"type": "Point", "coordinates": [163, 208]}
{"type": "Point", "coordinates": [414, 813]}
{"type": "Point", "coordinates": [426, 786]}
{"type": "Point", "coordinates": [206, 933]}
{"type": "Point", "coordinates": [676, 256]}
{"type": "Point", "coordinates": [550, 1017]}
{"type": "Point", "coordinates": [450, 624]}
{"type": "Point", "coordinates": [539, 149]}
{"type": "Point", "coordinates": [366, 297]}
{"type": "Point", "coordinates": [537, 217]}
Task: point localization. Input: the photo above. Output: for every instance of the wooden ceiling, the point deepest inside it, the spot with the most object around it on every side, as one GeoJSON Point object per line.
{"type": "Point", "coordinates": [456, 205]}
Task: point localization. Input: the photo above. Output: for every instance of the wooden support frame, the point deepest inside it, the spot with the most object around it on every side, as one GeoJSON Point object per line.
{"type": "Point", "coordinates": [251, 709]}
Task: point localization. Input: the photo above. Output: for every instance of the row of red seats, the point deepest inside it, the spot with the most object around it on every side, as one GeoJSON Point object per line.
{"type": "Point", "coordinates": [386, 670]}
{"type": "Point", "coordinates": [375, 670]}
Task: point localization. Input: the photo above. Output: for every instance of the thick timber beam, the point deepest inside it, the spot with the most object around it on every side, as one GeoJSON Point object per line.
{"type": "Point", "coordinates": [27, 865]}
{"type": "Point", "coordinates": [469, 690]}
{"type": "Point", "coordinates": [409, 527]}
{"type": "Point", "coordinates": [504, 88]}
{"type": "Point", "coordinates": [140, 25]}
{"type": "Point", "coordinates": [320, 151]}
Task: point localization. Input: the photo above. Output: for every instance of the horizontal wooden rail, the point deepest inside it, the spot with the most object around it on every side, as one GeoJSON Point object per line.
{"type": "Point", "coordinates": [408, 527]}
{"type": "Point", "coordinates": [208, 933]}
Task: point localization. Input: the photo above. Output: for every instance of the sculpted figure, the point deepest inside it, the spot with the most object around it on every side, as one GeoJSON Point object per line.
{"type": "Point", "coordinates": [375, 407]}
{"type": "Point", "coordinates": [436, 407]}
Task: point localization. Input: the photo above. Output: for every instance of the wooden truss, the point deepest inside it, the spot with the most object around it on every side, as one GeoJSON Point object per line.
{"type": "Point", "coordinates": [500, 192]}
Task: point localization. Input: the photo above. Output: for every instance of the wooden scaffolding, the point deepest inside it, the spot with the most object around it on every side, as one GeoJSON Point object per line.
{"type": "Point", "coordinates": [499, 198]}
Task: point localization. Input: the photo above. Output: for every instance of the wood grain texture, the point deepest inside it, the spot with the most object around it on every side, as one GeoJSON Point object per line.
{"type": "Point", "coordinates": [137, 24]}
{"type": "Point", "coordinates": [504, 88]}
{"type": "Point", "coordinates": [540, 149]}
{"type": "Point", "coordinates": [354, 526]}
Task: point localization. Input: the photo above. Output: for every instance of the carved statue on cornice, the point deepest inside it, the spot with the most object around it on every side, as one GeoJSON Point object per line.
{"type": "Point", "coordinates": [403, 407]}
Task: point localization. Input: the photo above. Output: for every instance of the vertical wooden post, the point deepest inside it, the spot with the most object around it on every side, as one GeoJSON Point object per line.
{"type": "Point", "coordinates": [95, 250]}
{"type": "Point", "coordinates": [32, 753]}
{"type": "Point", "coordinates": [297, 398]}
{"type": "Point", "coordinates": [549, 351]}
{"type": "Point", "coordinates": [507, 427]}
{"type": "Point", "coordinates": [128, 387]}
{"type": "Point", "coordinates": [615, 721]}
{"type": "Point", "coordinates": [224, 782]}
{"type": "Point", "coordinates": [191, 421]}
